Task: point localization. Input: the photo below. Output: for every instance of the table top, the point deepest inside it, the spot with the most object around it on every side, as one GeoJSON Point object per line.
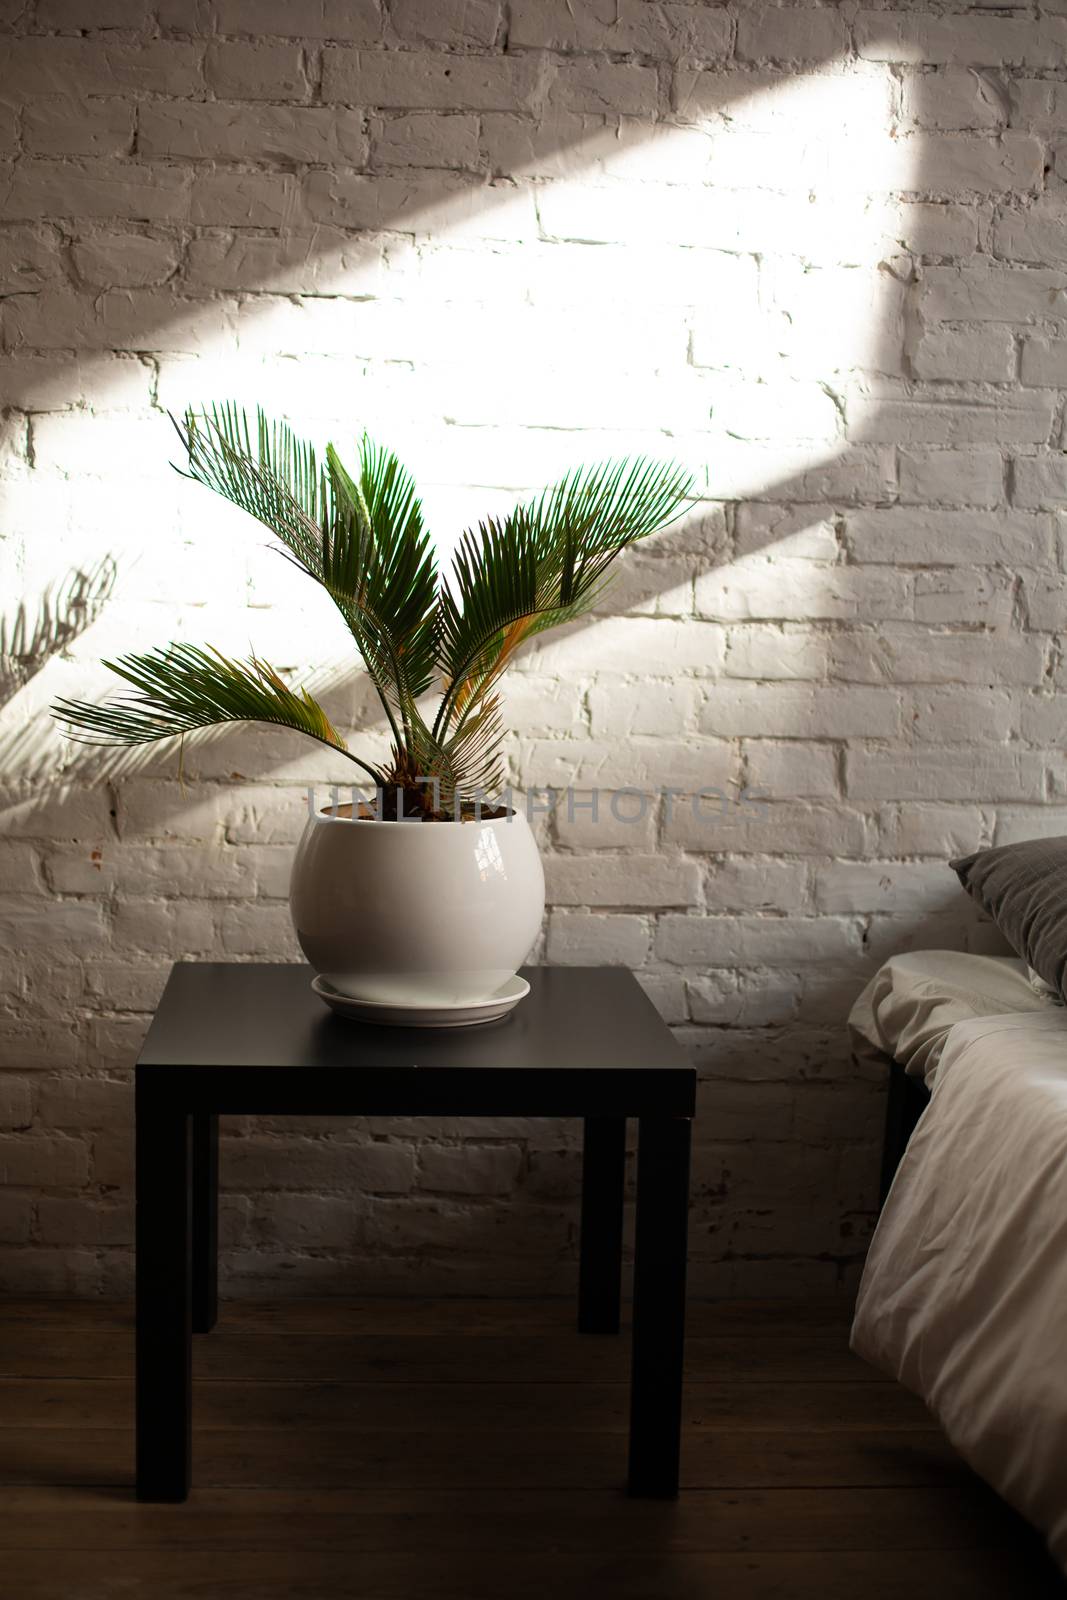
{"type": "Point", "coordinates": [585, 1037]}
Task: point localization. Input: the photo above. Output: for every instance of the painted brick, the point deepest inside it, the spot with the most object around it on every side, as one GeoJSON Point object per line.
{"type": "Point", "coordinates": [308, 1221]}
{"type": "Point", "coordinates": [1044, 361]}
{"type": "Point", "coordinates": [59, 319]}
{"type": "Point", "coordinates": [109, 260]}
{"type": "Point", "coordinates": [256, 72]}
{"type": "Point", "coordinates": [970, 40]}
{"type": "Point", "coordinates": [600, 819]}
{"type": "Point", "coordinates": [577, 938]}
{"type": "Point", "coordinates": [987, 355]}
{"type": "Point", "coordinates": [41, 1044]}
{"type": "Point", "coordinates": [624, 880]}
{"type": "Point", "coordinates": [928, 655]}
{"type": "Point", "coordinates": [246, 132]}
{"type": "Point", "coordinates": [85, 1103]}
{"type": "Point", "coordinates": [418, 81]}
{"type": "Point", "coordinates": [1015, 421]}
{"type": "Point", "coordinates": [940, 831]}
{"type": "Point", "coordinates": [963, 595]}
{"type": "Point", "coordinates": [645, 708]}
{"type": "Point", "coordinates": [1045, 601]}
{"type": "Point", "coordinates": [1011, 164]}
{"type": "Point", "coordinates": [866, 887]}
{"type": "Point", "coordinates": [791, 769]}
{"type": "Point", "coordinates": [746, 941]}
{"type": "Point", "coordinates": [769, 827]}
{"type": "Point", "coordinates": [604, 87]}
{"type": "Point", "coordinates": [451, 230]}
{"type": "Point", "coordinates": [618, 644]}
{"type": "Point", "coordinates": [63, 1222]}
{"type": "Point", "coordinates": [157, 928]}
{"type": "Point", "coordinates": [776, 652]}
{"type": "Point", "coordinates": [25, 919]}
{"type": "Point", "coordinates": [317, 1164]}
{"type": "Point", "coordinates": [29, 256]}
{"type": "Point", "coordinates": [426, 139]}
{"type": "Point", "coordinates": [96, 189]}
{"type": "Point", "coordinates": [774, 587]}
{"type": "Point", "coordinates": [909, 535]}
{"type": "Point", "coordinates": [102, 127]}
{"type": "Point", "coordinates": [1039, 103]}
{"type": "Point", "coordinates": [15, 1102]}
{"type": "Point", "coordinates": [1037, 233]}
{"type": "Point", "coordinates": [290, 265]}
{"type": "Point", "coordinates": [953, 98]}
{"type": "Point", "coordinates": [30, 1162]}
{"type": "Point", "coordinates": [805, 533]}
{"type": "Point", "coordinates": [20, 869]}
{"type": "Point", "coordinates": [992, 294]}
{"type": "Point", "coordinates": [687, 762]}
{"type": "Point", "coordinates": [960, 477]}
{"type": "Point", "coordinates": [939, 774]}
{"type": "Point", "coordinates": [459, 24]}
{"type": "Point", "coordinates": [938, 230]}
{"type": "Point", "coordinates": [1040, 481]}
{"type": "Point", "coordinates": [16, 1217]}
{"type": "Point", "coordinates": [66, 16]}
{"type": "Point", "coordinates": [83, 66]}
{"type": "Point", "coordinates": [664, 31]}
{"type": "Point", "coordinates": [755, 884]}
{"type": "Point", "coordinates": [244, 199]}
{"type": "Point", "coordinates": [358, 21]}
{"type": "Point", "coordinates": [793, 34]}
{"type": "Point", "coordinates": [800, 712]}
{"type": "Point", "coordinates": [489, 1170]}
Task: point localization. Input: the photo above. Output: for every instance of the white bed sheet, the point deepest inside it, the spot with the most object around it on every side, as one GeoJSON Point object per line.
{"type": "Point", "coordinates": [964, 1294]}
{"type": "Point", "coordinates": [912, 1002]}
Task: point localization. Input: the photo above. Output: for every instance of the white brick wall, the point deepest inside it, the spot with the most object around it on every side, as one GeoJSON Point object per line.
{"type": "Point", "coordinates": [814, 251]}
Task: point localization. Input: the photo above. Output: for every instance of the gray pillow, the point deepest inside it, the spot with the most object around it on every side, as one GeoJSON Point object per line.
{"type": "Point", "coordinates": [1023, 887]}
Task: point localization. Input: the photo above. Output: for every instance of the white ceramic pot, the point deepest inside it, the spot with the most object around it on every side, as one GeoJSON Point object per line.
{"type": "Point", "coordinates": [416, 913]}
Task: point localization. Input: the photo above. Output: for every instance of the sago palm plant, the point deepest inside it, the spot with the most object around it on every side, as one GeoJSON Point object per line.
{"type": "Point", "coordinates": [362, 537]}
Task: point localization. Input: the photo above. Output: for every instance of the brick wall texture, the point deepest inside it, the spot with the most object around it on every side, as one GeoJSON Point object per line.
{"type": "Point", "coordinates": [816, 252]}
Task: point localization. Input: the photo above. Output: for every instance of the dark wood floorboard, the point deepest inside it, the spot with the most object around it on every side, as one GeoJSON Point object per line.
{"type": "Point", "coordinates": [550, 1356]}
{"type": "Point", "coordinates": [469, 1449]}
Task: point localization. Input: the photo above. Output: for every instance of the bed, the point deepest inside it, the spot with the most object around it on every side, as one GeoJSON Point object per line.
{"type": "Point", "coordinates": [964, 1294]}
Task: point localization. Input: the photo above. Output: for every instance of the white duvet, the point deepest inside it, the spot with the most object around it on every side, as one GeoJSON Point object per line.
{"type": "Point", "coordinates": [964, 1295]}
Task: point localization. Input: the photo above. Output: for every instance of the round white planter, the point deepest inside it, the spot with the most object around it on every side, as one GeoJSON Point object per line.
{"type": "Point", "coordinates": [416, 913]}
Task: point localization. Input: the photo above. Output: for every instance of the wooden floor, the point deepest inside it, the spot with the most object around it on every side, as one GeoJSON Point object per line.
{"type": "Point", "coordinates": [468, 1450]}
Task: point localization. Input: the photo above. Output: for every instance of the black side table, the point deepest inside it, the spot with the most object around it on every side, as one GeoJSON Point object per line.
{"type": "Point", "coordinates": [254, 1040]}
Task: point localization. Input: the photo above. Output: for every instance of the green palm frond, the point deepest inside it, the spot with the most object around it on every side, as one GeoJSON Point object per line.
{"type": "Point", "coordinates": [266, 471]}
{"type": "Point", "coordinates": [183, 688]}
{"type": "Point", "coordinates": [378, 564]}
{"type": "Point", "coordinates": [543, 565]}
{"type": "Point", "coordinates": [473, 751]}
{"type": "Point", "coordinates": [364, 540]}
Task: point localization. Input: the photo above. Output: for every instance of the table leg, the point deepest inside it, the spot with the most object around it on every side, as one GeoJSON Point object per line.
{"type": "Point", "coordinates": [164, 1302]}
{"type": "Point", "coordinates": [205, 1222]}
{"type": "Point", "coordinates": [659, 1305]}
{"type": "Point", "coordinates": [600, 1266]}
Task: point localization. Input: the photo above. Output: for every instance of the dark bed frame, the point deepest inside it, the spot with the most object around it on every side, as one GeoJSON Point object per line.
{"type": "Point", "coordinates": [908, 1098]}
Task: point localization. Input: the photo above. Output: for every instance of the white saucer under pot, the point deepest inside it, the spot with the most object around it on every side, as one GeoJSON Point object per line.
{"type": "Point", "coordinates": [416, 915]}
{"type": "Point", "coordinates": [498, 1005]}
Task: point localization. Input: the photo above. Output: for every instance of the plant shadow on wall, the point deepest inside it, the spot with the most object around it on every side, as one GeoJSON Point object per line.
{"type": "Point", "coordinates": [29, 638]}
